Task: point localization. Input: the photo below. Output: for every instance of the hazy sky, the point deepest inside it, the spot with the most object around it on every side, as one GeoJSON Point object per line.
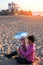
{"type": "Point", "coordinates": [34, 5]}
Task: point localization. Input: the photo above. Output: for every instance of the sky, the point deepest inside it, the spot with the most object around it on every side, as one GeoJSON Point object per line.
{"type": "Point", "coordinates": [33, 5]}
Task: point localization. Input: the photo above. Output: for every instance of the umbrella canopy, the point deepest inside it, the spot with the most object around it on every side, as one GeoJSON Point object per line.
{"type": "Point", "coordinates": [20, 35]}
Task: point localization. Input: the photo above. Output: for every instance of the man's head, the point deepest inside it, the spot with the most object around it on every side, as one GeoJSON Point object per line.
{"type": "Point", "coordinates": [31, 39]}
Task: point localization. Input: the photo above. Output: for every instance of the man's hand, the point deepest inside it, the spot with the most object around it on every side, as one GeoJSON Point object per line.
{"type": "Point", "coordinates": [24, 48]}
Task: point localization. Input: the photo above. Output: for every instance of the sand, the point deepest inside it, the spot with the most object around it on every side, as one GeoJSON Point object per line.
{"type": "Point", "coordinates": [9, 25]}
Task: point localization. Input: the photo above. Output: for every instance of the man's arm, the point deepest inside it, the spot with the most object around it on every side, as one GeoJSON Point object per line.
{"type": "Point", "coordinates": [28, 52]}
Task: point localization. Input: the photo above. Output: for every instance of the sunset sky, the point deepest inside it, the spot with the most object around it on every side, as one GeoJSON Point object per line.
{"type": "Point", "coordinates": [33, 5]}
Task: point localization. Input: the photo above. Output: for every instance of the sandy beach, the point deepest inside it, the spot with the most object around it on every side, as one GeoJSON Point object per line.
{"type": "Point", "coordinates": [9, 25]}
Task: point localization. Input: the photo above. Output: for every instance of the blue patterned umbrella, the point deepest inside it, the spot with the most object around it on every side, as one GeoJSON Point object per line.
{"type": "Point", "coordinates": [20, 35]}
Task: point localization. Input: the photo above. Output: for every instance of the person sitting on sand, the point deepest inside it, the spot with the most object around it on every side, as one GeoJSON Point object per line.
{"type": "Point", "coordinates": [27, 53]}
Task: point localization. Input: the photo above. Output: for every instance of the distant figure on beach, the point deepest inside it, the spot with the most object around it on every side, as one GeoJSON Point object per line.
{"type": "Point", "coordinates": [26, 54]}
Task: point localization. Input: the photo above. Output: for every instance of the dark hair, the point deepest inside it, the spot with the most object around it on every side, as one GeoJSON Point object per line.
{"type": "Point", "coordinates": [32, 38]}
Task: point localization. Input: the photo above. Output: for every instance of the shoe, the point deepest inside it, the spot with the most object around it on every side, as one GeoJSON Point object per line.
{"type": "Point", "coordinates": [6, 55]}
